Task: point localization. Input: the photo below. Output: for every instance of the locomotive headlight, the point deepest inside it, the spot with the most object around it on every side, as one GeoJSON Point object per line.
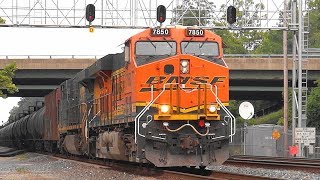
{"type": "Point", "coordinates": [184, 70]}
{"type": "Point", "coordinates": [184, 66]}
{"type": "Point", "coordinates": [164, 108]}
{"type": "Point", "coordinates": [212, 108]}
{"type": "Point", "coordinates": [184, 63]}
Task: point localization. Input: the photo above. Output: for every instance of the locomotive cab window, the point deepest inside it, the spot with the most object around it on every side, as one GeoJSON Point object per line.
{"type": "Point", "coordinates": [150, 51]}
{"type": "Point", "coordinates": [127, 52]}
{"type": "Point", "coordinates": [200, 48]}
{"type": "Point", "coordinates": [203, 49]}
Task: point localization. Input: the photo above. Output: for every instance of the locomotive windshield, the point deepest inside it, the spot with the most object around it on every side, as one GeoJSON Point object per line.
{"type": "Point", "coordinates": [150, 51]}
{"type": "Point", "coordinates": [199, 48]}
{"type": "Point", "coordinates": [203, 49]}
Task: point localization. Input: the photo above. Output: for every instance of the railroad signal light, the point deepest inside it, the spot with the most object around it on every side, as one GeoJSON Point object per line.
{"type": "Point", "coordinates": [91, 29]}
{"type": "Point", "coordinates": [161, 13]}
{"type": "Point", "coordinates": [90, 12]}
{"type": "Point", "coordinates": [231, 14]}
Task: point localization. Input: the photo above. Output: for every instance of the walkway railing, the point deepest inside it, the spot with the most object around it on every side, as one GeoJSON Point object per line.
{"type": "Point", "coordinates": [51, 56]}
{"type": "Point", "coordinates": [314, 55]}
{"type": "Point", "coordinates": [310, 55]}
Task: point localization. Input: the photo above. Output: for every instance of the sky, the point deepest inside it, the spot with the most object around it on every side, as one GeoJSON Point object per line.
{"type": "Point", "coordinates": [16, 42]}
{"type": "Point", "coordinates": [5, 107]}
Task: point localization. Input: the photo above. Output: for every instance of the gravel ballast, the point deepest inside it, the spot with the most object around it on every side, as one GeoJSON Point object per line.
{"type": "Point", "coordinates": [272, 173]}
{"type": "Point", "coordinates": [38, 166]}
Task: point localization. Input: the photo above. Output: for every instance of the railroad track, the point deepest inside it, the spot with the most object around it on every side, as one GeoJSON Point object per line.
{"type": "Point", "coordinates": [216, 175]}
{"type": "Point", "coordinates": [276, 162]}
{"type": "Point", "coordinates": [160, 173]}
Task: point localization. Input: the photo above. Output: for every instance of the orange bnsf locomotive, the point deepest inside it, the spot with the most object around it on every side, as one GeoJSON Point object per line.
{"type": "Point", "coordinates": [162, 101]}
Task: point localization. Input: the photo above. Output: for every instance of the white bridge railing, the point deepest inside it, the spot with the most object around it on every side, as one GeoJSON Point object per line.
{"type": "Point", "coordinates": [80, 56]}
{"type": "Point", "coordinates": [51, 56]}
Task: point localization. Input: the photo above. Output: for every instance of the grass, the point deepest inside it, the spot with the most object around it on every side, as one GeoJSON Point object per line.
{"type": "Point", "coordinates": [22, 157]}
{"type": "Point", "coordinates": [21, 170]}
{"type": "Point", "coordinates": [272, 118]}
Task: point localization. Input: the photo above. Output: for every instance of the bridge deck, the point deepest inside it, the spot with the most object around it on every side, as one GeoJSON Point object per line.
{"type": "Point", "coordinates": [262, 77]}
{"type": "Point", "coordinates": [235, 63]}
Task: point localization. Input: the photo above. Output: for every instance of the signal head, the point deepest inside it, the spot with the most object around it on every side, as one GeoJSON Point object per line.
{"type": "Point", "coordinates": [231, 14]}
{"type": "Point", "coordinates": [90, 12]}
{"type": "Point", "coordinates": [161, 13]}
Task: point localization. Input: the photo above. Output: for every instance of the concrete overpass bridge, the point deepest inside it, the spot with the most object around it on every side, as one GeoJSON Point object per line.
{"type": "Point", "coordinates": [251, 77]}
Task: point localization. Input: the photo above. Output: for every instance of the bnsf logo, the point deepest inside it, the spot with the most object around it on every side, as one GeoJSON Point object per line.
{"type": "Point", "coordinates": [192, 81]}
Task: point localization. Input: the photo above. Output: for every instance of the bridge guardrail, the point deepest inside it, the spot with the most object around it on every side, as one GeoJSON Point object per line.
{"type": "Point", "coordinates": [313, 55]}
{"type": "Point", "coordinates": [50, 56]}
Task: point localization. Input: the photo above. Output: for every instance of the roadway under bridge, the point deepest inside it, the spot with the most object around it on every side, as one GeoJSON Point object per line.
{"type": "Point", "coordinates": [250, 77]}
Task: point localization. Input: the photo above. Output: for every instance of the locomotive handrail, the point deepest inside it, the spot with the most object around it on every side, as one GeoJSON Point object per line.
{"type": "Point", "coordinates": [233, 122]}
{"type": "Point", "coordinates": [233, 119]}
{"type": "Point", "coordinates": [225, 63]}
{"type": "Point", "coordinates": [142, 112]}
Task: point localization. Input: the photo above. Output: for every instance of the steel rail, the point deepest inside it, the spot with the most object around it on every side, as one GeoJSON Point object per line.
{"type": "Point", "coordinates": [159, 173]}
{"type": "Point", "coordinates": [276, 162]}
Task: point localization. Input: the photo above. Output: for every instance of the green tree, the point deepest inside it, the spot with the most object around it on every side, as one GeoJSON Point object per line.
{"type": "Point", "coordinates": [13, 114]}
{"type": "Point", "coordinates": [23, 106]}
{"type": "Point", "coordinates": [2, 21]}
{"type": "Point", "coordinates": [314, 107]}
{"type": "Point", "coordinates": [314, 31]}
{"type": "Point", "coordinates": [192, 13]}
{"type": "Point", "coordinates": [6, 83]}
{"type": "Point", "coordinates": [272, 43]}
{"type": "Point", "coordinates": [202, 12]}
{"type": "Point", "coordinates": [241, 41]}
{"type": "Point", "coordinates": [247, 15]}
{"type": "Point", "coordinates": [233, 45]}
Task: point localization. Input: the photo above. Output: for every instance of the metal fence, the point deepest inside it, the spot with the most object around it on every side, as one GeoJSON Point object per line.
{"type": "Point", "coordinates": [258, 141]}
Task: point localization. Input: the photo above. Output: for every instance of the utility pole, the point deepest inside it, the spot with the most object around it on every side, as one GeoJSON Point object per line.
{"type": "Point", "coordinates": [285, 80]}
{"type": "Point", "coordinates": [294, 69]}
{"type": "Point", "coordinates": [300, 44]}
{"type": "Point", "coordinates": [299, 82]}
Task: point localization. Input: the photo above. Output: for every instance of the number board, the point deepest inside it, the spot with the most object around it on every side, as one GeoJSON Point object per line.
{"type": "Point", "coordinates": [195, 32]}
{"type": "Point", "coordinates": [160, 32]}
